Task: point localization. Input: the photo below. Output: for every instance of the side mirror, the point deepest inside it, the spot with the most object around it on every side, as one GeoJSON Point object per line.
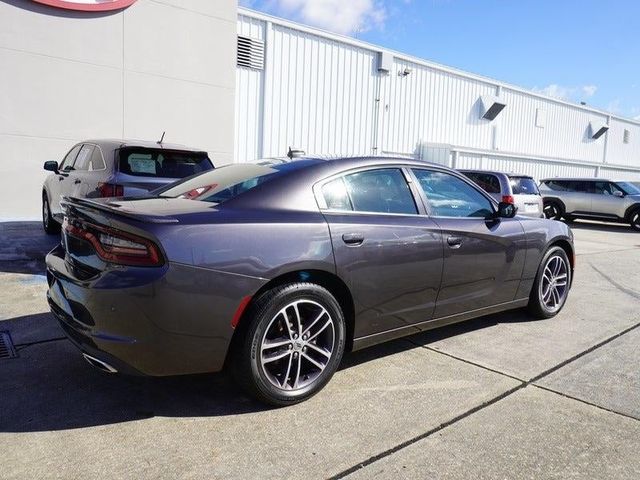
{"type": "Point", "coordinates": [618, 194]}
{"type": "Point", "coordinates": [506, 210]}
{"type": "Point", "coordinates": [51, 166]}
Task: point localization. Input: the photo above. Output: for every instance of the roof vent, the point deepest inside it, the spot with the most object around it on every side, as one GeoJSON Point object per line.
{"type": "Point", "coordinates": [491, 106]}
{"type": "Point", "coordinates": [598, 129]}
{"type": "Point", "coordinates": [250, 53]}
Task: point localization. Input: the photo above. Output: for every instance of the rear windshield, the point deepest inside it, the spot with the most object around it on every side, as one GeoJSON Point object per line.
{"type": "Point", "coordinates": [149, 162]}
{"type": "Point", "coordinates": [225, 183]}
{"type": "Point", "coordinates": [523, 186]}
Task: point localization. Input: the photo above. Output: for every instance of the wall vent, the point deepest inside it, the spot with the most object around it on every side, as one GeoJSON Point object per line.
{"type": "Point", "coordinates": [250, 53]}
{"type": "Point", "coordinates": [626, 136]}
{"type": "Point", "coordinates": [598, 129]}
{"type": "Point", "coordinates": [491, 106]}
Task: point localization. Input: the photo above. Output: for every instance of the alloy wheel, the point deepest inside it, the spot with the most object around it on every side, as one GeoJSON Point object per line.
{"type": "Point", "coordinates": [297, 345]}
{"type": "Point", "coordinates": [555, 283]}
{"type": "Point", "coordinates": [635, 219]}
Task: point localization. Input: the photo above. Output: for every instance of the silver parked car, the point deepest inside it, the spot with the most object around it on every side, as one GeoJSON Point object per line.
{"type": "Point", "coordinates": [591, 198]}
{"type": "Point", "coordinates": [115, 168]}
{"type": "Point", "coordinates": [518, 190]}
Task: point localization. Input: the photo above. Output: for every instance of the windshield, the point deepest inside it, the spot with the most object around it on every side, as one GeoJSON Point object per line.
{"type": "Point", "coordinates": [523, 186]}
{"type": "Point", "coordinates": [149, 162]}
{"type": "Point", "coordinates": [224, 183]}
{"type": "Point", "coordinates": [629, 188]}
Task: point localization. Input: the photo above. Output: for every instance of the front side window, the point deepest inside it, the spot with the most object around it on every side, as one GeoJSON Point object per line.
{"type": "Point", "coordinates": [605, 188]}
{"type": "Point", "coordinates": [382, 190]}
{"type": "Point", "coordinates": [67, 163]}
{"type": "Point", "coordinates": [449, 196]}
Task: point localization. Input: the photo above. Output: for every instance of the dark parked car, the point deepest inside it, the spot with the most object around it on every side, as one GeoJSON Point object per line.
{"type": "Point", "coordinates": [274, 269]}
{"type": "Point", "coordinates": [115, 168]}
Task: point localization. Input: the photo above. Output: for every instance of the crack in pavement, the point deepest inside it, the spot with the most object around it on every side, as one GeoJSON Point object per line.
{"type": "Point", "coordinates": [484, 405]}
{"type": "Point", "coordinates": [619, 286]}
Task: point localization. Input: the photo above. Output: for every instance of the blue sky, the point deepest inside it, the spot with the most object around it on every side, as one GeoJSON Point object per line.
{"type": "Point", "coordinates": [578, 50]}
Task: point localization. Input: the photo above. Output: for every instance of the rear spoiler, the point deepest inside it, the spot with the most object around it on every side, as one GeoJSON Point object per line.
{"type": "Point", "coordinates": [113, 210]}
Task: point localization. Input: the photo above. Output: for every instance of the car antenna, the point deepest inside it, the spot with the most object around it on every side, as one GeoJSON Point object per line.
{"type": "Point", "coordinates": [159, 142]}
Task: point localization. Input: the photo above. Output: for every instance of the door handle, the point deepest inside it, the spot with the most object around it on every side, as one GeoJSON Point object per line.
{"type": "Point", "coordinates": [353, 238]}
{"type": "Point", "coordinates": [77, 181]}
{"type": "Point", "coordinates": [454, 242]}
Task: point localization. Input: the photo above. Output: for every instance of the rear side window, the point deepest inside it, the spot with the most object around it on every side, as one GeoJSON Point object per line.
{"type": "Point", "coordinates": [523, 186]}
{"type": "Point", "coordinates": [380, 191]}
{"type": "Point", "coordinates": [96, 162]}
{"type": "Point", "coordinates": [336, 196]}
{"type": "Point", "coordinates": [488, 182]}
{"type": "Point", "coordinates": [148, 162]}
{"type": "Point", "coordinates": [566, 185]}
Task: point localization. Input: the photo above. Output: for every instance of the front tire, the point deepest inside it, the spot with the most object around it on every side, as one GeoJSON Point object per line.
{"type": "Point", "coordinates": [553, 210]}
{"type": "Point", "coordinates": [551, 286]}
{"type": "Point", "coordinates": [292, 345]}
{"type": "Point", "coordinates": [634, 220]}
{"type": "Point", "coordinates": [51, 227]}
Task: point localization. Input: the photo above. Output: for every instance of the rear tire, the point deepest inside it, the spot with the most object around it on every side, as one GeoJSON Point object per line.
{"type": "Point", "coordinates": [569, 218]}
{"type": "Point", "coordinates": [553, 210]}
{"type": "Point", "coordinates": [634, 220]}
{"type": "Point", "coordinates": [51, 227]}
{"type": "Point", "coordinates": [552, 284]}
{"type": "Point", "coordinates": [291, 345]}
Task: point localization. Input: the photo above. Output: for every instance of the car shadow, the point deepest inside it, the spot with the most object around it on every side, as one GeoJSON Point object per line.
{"type": "Point", "coordinates": [50, 387]}
{"type": "Point", "coordinates": [23, 246]}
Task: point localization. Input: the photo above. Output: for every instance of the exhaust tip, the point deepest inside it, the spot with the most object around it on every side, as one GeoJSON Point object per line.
{"type": "Point", "coordinates": [99, 364]}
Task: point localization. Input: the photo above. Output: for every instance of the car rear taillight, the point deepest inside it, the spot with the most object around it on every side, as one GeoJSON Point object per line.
{"type": "Point", "coordinates": [508, 199]}
{"type": "Point", "coordinates": [116, 246]}
{"type": "Point", "coordinates": [110, 190]}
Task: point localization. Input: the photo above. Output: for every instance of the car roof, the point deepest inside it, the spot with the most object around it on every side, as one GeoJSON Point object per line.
{"type": "Point", "coordinates": [495, 172]}
{"type": "Point", "coordinates": [114, 144]}
{"type": "Point", "coordinates": [576, 179]}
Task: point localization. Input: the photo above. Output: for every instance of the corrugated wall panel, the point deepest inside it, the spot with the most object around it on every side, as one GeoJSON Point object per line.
{"type": "Point", "coordinates": [616, 174]}
{"type": "Point", "coordinates": [249, 98]}
{"type": "Point", "coordinates": [322, 96]}
{"type": "Point", "coordinates": [565, 133]}
{"type": "Point", "coordinates": [621, 153]}
{"type": "Point", "coordinates": [434, 107]}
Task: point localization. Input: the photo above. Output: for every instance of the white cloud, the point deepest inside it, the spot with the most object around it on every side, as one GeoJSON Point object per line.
{"type": "Point", "coordinates": [341, 16]}
{"type": "Point", "coordinates": [568, 93]}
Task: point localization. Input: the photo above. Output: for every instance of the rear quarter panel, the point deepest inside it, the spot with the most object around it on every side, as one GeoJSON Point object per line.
{"type": "Point", "coordinates": [541, 234]}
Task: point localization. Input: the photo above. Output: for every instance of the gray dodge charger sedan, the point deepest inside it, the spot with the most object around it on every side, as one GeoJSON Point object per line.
{"type": "Point", "coordinates": [275, 269]}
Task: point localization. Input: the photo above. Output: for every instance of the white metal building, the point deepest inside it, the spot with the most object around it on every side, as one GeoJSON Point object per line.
{"type": "Point", "coordinates": [328, 94]}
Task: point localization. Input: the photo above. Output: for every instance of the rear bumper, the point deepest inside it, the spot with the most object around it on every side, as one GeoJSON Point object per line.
{"type": "Point", "coordinates": [171, 320]}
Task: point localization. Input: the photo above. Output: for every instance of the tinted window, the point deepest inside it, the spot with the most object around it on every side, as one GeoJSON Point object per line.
{"type": "Point", "coordinates": [336, 196]}
{"type": "Point", "coordinates": [225, 183]}
{"type": "Point", "coordinates": [380, 191]}
{"type": "Point", "coordinates": [523, 186]}
{"type": "Point", "coordinates": [67, 163]}
{"type": "Point", "coordinates": [450, 196]}
{"type": "Point", "coordinates": [146, 162]}
{"type": "Point", "coordinates": [83, 158]}
{"type": "Point", "coordinates": [486, 181]}
{"type": "Point", "coordinates": [568, 185]}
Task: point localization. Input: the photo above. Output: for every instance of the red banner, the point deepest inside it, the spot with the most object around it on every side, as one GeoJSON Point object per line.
{"type": "Point", "coordinates": [88, 5]}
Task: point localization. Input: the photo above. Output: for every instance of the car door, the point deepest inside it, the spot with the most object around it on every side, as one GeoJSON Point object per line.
{"type": "Point", "coordinates": [607, 199]}
{"type": "Point", "coordinates": [58, 188]}
{"type": "Point", "coordinates": [386, 250]}
{"type": "Point", "coordinates": [483, 256]}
